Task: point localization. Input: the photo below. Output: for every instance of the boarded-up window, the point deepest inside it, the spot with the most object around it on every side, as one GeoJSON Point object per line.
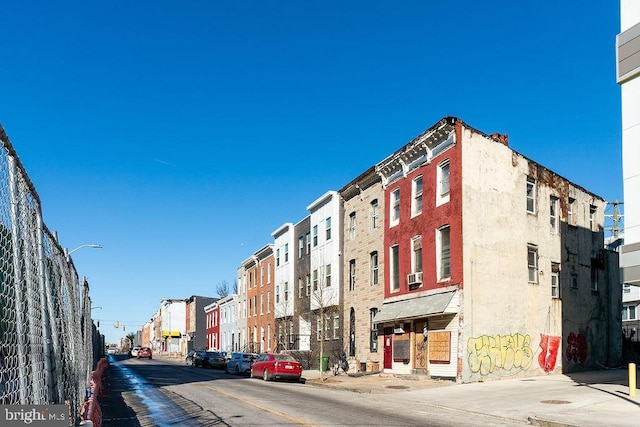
{"type": "Point", "coordinates": [439, 347]}
{"type": "Point", "coordinates": [400, 348]}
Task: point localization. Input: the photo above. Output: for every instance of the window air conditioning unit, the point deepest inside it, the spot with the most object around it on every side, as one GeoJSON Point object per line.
{"type": "Point", "coordinates": [398, 329]}
{"type": "Point", "coordinates": [414, 278]}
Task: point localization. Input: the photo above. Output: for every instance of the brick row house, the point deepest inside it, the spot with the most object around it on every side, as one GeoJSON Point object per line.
{"type": "Point", "coordinates": [455, 257]}
{"type": "Point", "coordinates": [363, 266]}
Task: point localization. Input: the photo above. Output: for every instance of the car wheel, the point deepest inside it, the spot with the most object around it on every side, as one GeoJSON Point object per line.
{"type": "Point", "coordinates": [265, 375]}
{"type": "Point", "coordinates": [150, 358]}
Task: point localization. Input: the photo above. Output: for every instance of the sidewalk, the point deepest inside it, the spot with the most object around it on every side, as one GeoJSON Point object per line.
{"type": "Point", "coordinates": [597, 398]}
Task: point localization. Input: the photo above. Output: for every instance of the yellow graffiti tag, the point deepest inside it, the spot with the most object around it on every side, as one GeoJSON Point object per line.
{"type": "Point", "coordinates": [487, 353]}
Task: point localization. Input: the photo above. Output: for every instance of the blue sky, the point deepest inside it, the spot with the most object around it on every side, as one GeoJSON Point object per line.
{"type": "Point", "coordinates": [179, 135]}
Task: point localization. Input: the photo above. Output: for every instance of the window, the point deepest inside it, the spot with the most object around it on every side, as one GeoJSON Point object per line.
{"type": "Point", "coordinates": [301, 287]}
{"type": "Point", "coordinates": [352, 275]}
{"type": "Point", "coordinates": [261, 276]}
{"type": "Point", "coordinates": [352, 225]}
{"type": "Point", "coordinates": [531, 195]}
{"type": "Point", "coordinates": [442, 195]}
{"type": "Point", "coordinates": [308, 238]}
{"type": "Point", "coordinates": [594, 275]}
{"type": "Point", "coordinates": [291, 335]}
{"type": "Point", "coordinates": [269, 302]}
{"type": "Point", "coordinates": [416, 200]}
{"type": "Point", "coordinates": [286, 291]}
{"type": "Point", "coordinates": [553, 214]}
{"type": "Point", "coordinates": [261, 304]}
{"type": "Point", "coordinates": [328, 228]}
{"type": "Point", "coordinates": [444, 253]}
{"type": "Point", "coordinates": [416, 251]}
{"type": "Point", "coordinates": [373, 340]}
{"type": "Point", "coordinates": [374, 213]}
{"type": "Point", "coordinates": [308, 284]}
{"type": "Point", "coordinates": [394, 207]}
{"type": "Point", "coordinates": [336, 326]}
{"type": "Point", "coordinates": [315, 280]}
{"type": "Point", "coordinates": [570, 206]}
{"type": "Point", "coordinates": [328, 275]}
{"type": "Point", "coordinates": [395, 267]}
{"type": "Point", "coordinates": [286, 252]}
{"type": "Point", "coordinates": [629, 312]}
{"type": "Point", "coordinates": [626, 288]}
{"type": "Point", "coordinates": [277, 258]}
{"type": "Point", "coordinates": [374, 268]}
{"type": "Point", "coordinates": [532, 263]}
{"type": "Point", "coordinates": [592, 218]}
{"type": "Point", "coordinates": [315, 235]}
{"type": "Point", "coordinates": [327, 327]}
{"type": "Point", "coordinates": [277, 294]}
{"type": "Point", "coordinates": [555, 280]}
{"type": "Point", "coordinates": [319, 328]}
{"type": "Point", "coordinates": [269, 273]}
{"type": "Point", "coordinates": [300, 246]}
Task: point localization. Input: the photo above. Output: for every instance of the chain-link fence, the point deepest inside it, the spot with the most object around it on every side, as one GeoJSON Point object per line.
{"type": "Point", "coordinates": [47, 338]}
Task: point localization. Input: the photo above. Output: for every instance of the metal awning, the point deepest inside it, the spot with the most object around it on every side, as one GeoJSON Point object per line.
{"type": "Point", "coordinates": [414, 307]}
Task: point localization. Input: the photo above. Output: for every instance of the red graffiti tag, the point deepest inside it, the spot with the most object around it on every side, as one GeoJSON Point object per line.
{"type": "Point", "coordinates": [576, 348]}
{"type": "Point", "coordinates": [549, 355]}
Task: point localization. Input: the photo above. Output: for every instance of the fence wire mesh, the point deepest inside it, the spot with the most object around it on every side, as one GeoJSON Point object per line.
{"type": "Point", "coordinates": [47, 339]}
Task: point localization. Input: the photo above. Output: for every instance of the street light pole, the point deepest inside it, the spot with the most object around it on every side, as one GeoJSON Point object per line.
{"type": "Point", "coordinates": [94, 245]}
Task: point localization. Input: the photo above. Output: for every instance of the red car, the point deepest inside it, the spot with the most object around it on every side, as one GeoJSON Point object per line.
{"type": "Point", "coordinates": [144, 352]}
{"type": "Point", "coordinates": [271, 366]}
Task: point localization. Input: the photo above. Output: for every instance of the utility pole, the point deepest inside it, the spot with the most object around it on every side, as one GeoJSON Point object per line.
{"type": "Point", "coordinates": [617, 218]}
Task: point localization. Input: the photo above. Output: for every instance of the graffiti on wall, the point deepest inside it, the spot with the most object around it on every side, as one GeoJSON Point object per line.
{"type": "Point", "coordinates": [549, 355]}
{"type": "Point", "coordinates": [487, 353]}
{"type": "Point", "coordinates": [577, 348]}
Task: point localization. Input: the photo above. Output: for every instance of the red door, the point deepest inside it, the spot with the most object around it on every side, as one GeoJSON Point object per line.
{"type": "Point", "coordinates": [388, 348]}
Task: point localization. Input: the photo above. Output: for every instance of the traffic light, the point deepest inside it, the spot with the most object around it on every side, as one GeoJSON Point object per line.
{"type": "Point", "coordinates": [117, 325]}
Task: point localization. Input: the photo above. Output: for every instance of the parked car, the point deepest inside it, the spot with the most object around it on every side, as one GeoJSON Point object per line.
{"type": "Point", "coordinates": [240, 363]}
{"type": "Point", "coordinates": [144, 352]}
{"type": "Point", "coordinates": [271, 366]}
{"type": "Point", "coordinates": [188, 359]}
{"type": "Point", "coordinates": [111, 350]}
{"type": "Point", "coordinates": [211, 359]}
{"type": "Point", "coordinates": [135, 350]}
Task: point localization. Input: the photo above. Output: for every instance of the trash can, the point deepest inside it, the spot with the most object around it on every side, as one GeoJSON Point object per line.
{"type": "Point", "coordinates": [325, 363]}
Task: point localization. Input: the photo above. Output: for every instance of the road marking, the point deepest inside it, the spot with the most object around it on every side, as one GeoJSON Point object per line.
{"type": "Point", "coordinates": [295, 420]}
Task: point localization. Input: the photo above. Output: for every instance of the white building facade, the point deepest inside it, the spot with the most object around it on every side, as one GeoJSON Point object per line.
{"type": "Point", "coordinates": [628, 76]}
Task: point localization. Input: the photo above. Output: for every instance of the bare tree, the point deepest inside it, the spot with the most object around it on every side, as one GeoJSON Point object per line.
{"type": "Point", "coordinates": [324, 304]}
{"type": "Point", "coordinates": [222, 288]}
{"type": "Point", "coordinates": [284, 316]}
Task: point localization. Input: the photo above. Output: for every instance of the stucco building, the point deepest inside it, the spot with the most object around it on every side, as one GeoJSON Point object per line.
{"type": "Point", "coordinates": [494, 265]}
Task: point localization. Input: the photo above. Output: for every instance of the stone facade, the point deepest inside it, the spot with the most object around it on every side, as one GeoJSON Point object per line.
{"type": "Point", "coordinates": [363, 269]}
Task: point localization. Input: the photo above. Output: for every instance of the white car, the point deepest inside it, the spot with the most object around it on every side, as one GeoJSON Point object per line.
{"type": "Point", "coordinates": [111, 350]}
{"type": "Point", "coordinates": [134, 351]}
{"type": "Point", "coordinates": [240, 363]}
